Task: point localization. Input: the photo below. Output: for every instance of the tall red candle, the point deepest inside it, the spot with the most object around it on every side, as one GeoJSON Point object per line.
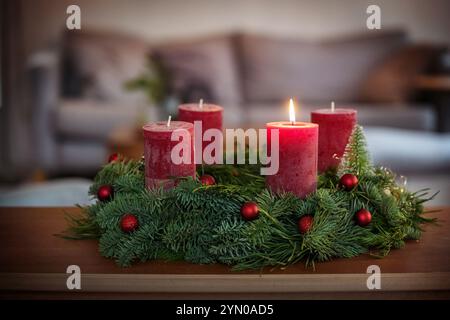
{"type": "Point", "coordinates": [298, 143]}
{"type": "Point", "coordinates": [335, 128]}
{"type": "Point", "coordinates": [209, 114]}
{"type": "Point", "coordinates": [159, 167]}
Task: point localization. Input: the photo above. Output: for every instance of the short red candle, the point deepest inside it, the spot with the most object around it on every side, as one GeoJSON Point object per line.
{"type": "Point", "coordinates": [209, 114]}
{"type": "Point", "coordinates": [335, 128]}
{"type": "Point", "coordinates": [298, 142]}
{"type": "Point", "coordinates": [159, 168]}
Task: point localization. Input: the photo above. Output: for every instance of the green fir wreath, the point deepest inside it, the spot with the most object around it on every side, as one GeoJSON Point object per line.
{"type": "Point", "coordinates": [203, 223]}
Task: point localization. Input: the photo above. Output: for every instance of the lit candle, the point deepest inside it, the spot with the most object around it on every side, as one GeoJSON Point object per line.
{"type": "Point", "coordinates": [335, 127]}
{"type": "Point", "coordinates": [210, 116]}
{"type": "Point", "coordinates": [160, 171]}
{"type": "Point", "coordinates": [298, 142]}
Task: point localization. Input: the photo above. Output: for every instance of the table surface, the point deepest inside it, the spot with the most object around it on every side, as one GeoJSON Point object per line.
{"type": "Point", "coordinates": [33, 260]}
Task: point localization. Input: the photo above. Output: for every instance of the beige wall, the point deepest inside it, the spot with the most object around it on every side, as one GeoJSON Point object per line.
{"type": "Point", "coordinates": [162, 20]}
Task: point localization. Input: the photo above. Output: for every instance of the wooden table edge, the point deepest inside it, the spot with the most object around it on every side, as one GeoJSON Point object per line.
{"type": "Point", "coordinates": [219, 283]}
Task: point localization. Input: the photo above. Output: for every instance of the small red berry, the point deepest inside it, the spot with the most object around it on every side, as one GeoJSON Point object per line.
{"type": "Point", "coordinates": [363, 217]}
{"type": "Point", "coordinates": [348, 181]}
{"type": "Point", "coordinates": [113, 157]}
{"type": "Point", "coordinates": [105, 192]}
{"type": "Point", "coordinates": [207, 180]}
{"type": "Point", "coordinates": [250, 210]}
{"type": "Point", "coordinates": [305, 223]}
{"type": "Point", "coordinates": [129, 222]}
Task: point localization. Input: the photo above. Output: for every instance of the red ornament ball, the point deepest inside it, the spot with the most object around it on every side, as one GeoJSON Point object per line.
{"type": "Point", "coordinates": [305, 223]}
{"type": "Point", "coordinates": [105, 192]}
{"type": "Point", "coordinates": [348, 181]}
{"type": "Point", "coordinates": [250, 210]}
{"type": "Point", "coordinates": [113, 157]}
{"type": "Point", "coordinates": [363, 217]}
{"type": "Point", "coordinates": [207, 180]}
{"type": "Point", "coordinates": [129, 222]}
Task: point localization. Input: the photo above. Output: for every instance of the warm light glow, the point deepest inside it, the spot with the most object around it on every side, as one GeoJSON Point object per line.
{"type": "Point", "coordinates": [291, 111]}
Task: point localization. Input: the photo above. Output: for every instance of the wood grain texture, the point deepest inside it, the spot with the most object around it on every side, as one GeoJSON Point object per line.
{"type": "Point", "coordinates": [33, 259]}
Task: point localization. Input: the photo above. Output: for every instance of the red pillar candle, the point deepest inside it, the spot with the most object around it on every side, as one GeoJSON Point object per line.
{"type": "Point", "coordinates": [160, 170]}
{"type": "Point", "coordinates": [209, 114]}
{"type": "Point", "coordinates": [298, 143]}
{"type": "Point", "coordinates": [335, 128]}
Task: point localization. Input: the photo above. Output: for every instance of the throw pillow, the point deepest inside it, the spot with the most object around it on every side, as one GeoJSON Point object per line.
{"type": "Point", "coordinates": [202, 68]}
{"type": "Point", "coordinates": [314, 71]}
{"type": "Point", "coordinates": [392, 81]}
{"type": "Point", "coordinates": [98, 64]}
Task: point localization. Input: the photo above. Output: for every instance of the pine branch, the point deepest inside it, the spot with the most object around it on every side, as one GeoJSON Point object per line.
{"type": "Point", "coordinates": [202, 224]}
{"type": "Point", "coordinates": [356, 159]}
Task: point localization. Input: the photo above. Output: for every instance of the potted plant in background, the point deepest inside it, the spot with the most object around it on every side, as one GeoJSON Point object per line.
{"type": "Point", "coordinates": [155, 83]}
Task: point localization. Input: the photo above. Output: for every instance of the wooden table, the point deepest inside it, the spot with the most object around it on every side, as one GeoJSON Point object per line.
{"type": "Point", "coordinates": [33, 264]}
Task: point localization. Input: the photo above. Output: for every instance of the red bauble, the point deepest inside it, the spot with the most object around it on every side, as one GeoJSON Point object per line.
{"type": "Point", "coordinates": [348, 181]}
{"type": "Point", "coordinates": [305, 223]}
{"type": "Point", "coordinates": [113, 157]}
{"type": "Point", "coordinates": [363, 217]}
{"type": "Point", "coordinates": [129, 222]}
{"type": "Point", "coordinates": [250, 210]}
{"type": "Point", "coordinates": [207, 180]}
{"type": "Point", "coordinates": [105, 192]}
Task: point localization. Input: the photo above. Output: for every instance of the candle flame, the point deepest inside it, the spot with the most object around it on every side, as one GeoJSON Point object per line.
{"type": "Point", "coordinates": [291, 111]}
{"type": "Point", "coordinates": [168, 121]}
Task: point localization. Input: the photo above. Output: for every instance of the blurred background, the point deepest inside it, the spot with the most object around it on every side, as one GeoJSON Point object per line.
{"type": "Point", "coordinates": [71, 98]}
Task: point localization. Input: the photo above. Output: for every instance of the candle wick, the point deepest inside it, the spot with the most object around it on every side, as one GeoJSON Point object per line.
{"type": "Point", "coordinates": [168, 121]}
{"type": "Point", "coordinates": [200, 104]}
{"type": "Point", "coordinates": [332, 106]}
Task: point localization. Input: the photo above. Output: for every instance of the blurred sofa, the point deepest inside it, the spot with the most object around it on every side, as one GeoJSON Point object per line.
{"type": "Point", "coordinates": [79, 98]}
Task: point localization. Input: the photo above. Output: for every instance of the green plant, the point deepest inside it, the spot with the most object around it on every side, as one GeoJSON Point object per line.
{"type": "Point", "coordinates": [154, 82]}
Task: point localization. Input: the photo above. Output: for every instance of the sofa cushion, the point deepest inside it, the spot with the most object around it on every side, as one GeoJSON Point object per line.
{"type": "Point", "coordinates": [276, 68]}
{"type": "Point", "coordinates": [414, 117]}
{"type": "Point", "coordinates": [96, 65]}
{"type": "Point", "coordinates": [409, 150]}
{"type": "Point", "coordinates": [393, 80]}
{"type": "Point", "coordinates": [92, 120]}
{"type": "Point", "coordinates": [86, 156]}
{"type": "Point", "coordinates": [66, 192]}
{"type": "Point", "coordinates": [203, 68]}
